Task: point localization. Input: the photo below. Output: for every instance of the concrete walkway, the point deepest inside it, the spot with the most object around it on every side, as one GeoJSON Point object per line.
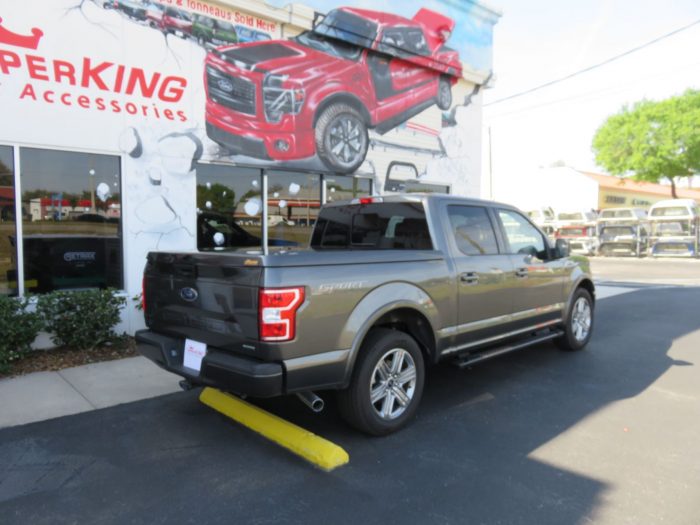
{"type": "Point", "coordinates": [46, 395]}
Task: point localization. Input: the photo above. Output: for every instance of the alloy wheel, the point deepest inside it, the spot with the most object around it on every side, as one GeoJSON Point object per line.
{"type": "Point", "coordinates": [581, 319]}
{"type": "Point", "coordinates": [393, 384]}
{"type": "Point", "coordinates": [347, 140]}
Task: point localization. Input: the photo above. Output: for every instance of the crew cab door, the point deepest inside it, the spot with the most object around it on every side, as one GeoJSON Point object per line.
{"type": "Point", "coordinates": [538, 293]}
{"type": "Point", "coordinates": [485, 274]}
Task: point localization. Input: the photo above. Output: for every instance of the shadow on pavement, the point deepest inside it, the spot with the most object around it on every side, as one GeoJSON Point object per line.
{"type": "Point", "coordinates": [464, 460]}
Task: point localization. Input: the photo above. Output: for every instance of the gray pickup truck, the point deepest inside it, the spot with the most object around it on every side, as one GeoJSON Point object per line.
{"type": "Point", "coordinates": [387, 286]}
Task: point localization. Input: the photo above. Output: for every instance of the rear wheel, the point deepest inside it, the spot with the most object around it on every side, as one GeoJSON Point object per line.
{"type": "Point", "coordinates": [387, 383]}
{"type": "Point", "coordinates": [578, 324]}
{"type": "Point", "coordinates": [444, 96]}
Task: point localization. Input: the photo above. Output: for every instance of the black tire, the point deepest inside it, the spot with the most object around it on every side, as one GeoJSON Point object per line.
{"type": "Point", "coordinates": [341, 138]}
{"type": "Point", "coordinates": [444, 96]}
{"type": "Point", "coordinates": [355, 402]}
{"type": "Point", "coordinates": [571, 341]}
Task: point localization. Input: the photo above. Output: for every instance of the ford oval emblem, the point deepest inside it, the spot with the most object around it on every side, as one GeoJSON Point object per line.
{"type": "Point", "coordinates": [189, 294]}
{"type": "Point", "coordinates": [225, 85]}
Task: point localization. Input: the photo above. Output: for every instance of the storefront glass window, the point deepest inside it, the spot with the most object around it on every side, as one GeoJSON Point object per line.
{"type": "Point", "coordinates": [71, 208]}
{"type": "Point", "coordinates": [8, 234]}
{"type": "Point", "coordinates": [294, 200]}
{"type": "Point", "coordinates": [339, 188]}
{"type": "Point", "coordinates": [229, 207]}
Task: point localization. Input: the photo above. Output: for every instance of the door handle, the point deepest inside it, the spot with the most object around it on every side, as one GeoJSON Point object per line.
{"type": "Point", "coordinates": [521, 272]}
{"type": "Point", "coordinates": [469, 277]}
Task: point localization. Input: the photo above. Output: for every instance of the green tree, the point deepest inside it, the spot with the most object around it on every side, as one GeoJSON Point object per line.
{"type": "Point", "coordinates": [222, 198]}
{"type": "Point", "coordinates": [651, 141]}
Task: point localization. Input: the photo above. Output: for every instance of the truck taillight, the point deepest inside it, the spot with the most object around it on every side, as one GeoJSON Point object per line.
{"type": "Point", "coordinates": [278, 310]}
{"type": "Point", "coordinates": [367, 200]}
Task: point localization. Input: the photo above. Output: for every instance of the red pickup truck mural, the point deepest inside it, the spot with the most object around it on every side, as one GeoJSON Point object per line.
{"type": "Point", "coordinates": [320, 92]}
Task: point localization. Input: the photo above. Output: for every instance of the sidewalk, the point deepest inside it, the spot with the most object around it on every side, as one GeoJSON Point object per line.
{"type": "Point", "coordinates": [45, 395]}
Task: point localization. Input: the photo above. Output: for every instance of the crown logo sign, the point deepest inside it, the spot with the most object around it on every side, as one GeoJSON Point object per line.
{"type": "Point", "coordinates": [13, 39]}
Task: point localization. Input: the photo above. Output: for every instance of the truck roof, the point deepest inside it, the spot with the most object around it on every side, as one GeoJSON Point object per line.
{"type": "Point", "coordinates": [380, 18]}
{"type": "Point", "coordinates": [425, 197]}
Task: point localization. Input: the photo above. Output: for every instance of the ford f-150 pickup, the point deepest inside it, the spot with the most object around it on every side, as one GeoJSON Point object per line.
{"type": "Point", "coordinates": [319, 92]}
{"type": "Point", "coordinates": [386, 287]}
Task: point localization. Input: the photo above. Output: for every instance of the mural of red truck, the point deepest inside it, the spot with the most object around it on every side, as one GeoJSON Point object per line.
{"type": "Point", "coordinates": [320, 92]}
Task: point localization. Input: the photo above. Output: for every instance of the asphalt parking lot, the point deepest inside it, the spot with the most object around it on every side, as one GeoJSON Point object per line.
{"type": "Point", "coordinates": [606, 435]}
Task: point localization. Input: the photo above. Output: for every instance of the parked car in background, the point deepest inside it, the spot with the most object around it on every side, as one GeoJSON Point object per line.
{"type": "Point", "coordinates": [623, 240]}
{"type": "Point", "coordinates": [387, 287]}
{"type": "Point", "coordinates": [582, 238]}
{"type": "Point", "coordinates": [324, 89]}
{"type": "Point", "coordinates": [576, 218]}
{"type": "Point", "coordinates": [623, 231]}
{"type": "Point", "coordinates": [176, 22]}
{"type": "Point", "coordinates": [246, 34]}
{"type": "Point", "coordinates": [216, 231]}
{"type": "Point", "coordinates": [131, 8]}
{"type": "Point", "coordinates": [675, 228]}
{"type": "Point", "coordinates": [579, 228]}
{"type": "Point", "coordinates": [545, 219]}
{"type": "Point", "coordinates": [213, 32]}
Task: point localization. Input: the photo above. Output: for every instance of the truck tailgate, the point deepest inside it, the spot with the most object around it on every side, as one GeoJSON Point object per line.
{"type": "Point", "coordinates": [211, 298]}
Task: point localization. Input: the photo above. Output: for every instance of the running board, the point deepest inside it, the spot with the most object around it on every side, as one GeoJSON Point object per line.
{"type": "Point", "coordinates": [472, 359]}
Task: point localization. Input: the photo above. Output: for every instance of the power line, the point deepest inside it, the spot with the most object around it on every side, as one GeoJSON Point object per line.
{"type": "Point", "coordinates": [616, 88]}
{"type": "Point", "coordinates": [595, 66]}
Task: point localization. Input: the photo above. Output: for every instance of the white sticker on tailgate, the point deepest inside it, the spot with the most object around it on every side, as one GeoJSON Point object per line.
{"type": "Point", "coordinates": [194, 353]}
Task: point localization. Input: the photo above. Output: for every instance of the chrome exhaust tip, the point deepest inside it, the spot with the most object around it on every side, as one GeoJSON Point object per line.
{"type": "Point", "coordinates": [311, 400]}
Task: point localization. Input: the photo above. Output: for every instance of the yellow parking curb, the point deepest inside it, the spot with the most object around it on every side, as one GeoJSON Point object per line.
{"type": "Point", "coordinates": [311, 447]}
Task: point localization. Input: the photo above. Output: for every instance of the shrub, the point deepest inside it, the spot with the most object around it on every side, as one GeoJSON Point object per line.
{"type": "Point", "coordinates": [18, 329]}
{"type": "Point", "coordinates": [81, 319]}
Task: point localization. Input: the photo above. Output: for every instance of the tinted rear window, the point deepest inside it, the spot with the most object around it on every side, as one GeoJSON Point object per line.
{"type": "Point", "coordinates": [616, 214]}
{"type": "Point", "coordinates": [618, 230]}
{"type": "Point", "coordinates": [673, 211]}
{"type": "Point", "coordinates": [571, 216]}
{"type": "Point", "coordinates": [378, 226]}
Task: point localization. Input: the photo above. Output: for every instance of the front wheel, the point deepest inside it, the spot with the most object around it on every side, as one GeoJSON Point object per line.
{"type": "Point", "coordinates": [341, 138]}
{"type": "Point", "coordinates": [387, 383]}
{"type": "Point", "coordinates": [578, 325]}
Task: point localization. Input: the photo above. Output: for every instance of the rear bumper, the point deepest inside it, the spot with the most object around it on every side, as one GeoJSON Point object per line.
{"type": "Point", "coordinates": [621, 248]}
{"type": "Point", "coordinates": [222, 370]}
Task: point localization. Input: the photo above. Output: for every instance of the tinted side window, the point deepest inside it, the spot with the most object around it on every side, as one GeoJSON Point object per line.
{"type": "Point", "coordinates": [522, 236]}
{"type": "Point", "coordinates": [416, 42]}
{"type": "Point", "coordinates": [379, 226]}
{"type": "Point", "coordinates": [472, 230]}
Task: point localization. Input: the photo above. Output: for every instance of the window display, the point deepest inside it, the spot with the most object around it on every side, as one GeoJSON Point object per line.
{"type": "Point", "coordinates": [71, 225]}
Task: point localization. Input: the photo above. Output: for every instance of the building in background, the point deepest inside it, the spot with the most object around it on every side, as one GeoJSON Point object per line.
{"type": "Point", "coordinates": [566, 189]}
{"type": "Point", "coordinates": [136, 126]}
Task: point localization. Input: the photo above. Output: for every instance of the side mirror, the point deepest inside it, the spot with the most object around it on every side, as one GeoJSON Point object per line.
{"type": "Point", "coordinates": [561, 248]}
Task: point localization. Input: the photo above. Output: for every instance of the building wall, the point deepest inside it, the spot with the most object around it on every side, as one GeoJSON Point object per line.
{"type": "Point", "coordinates": [563, 189]}
{"type": "Point", "coordinates": [94, 77]}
